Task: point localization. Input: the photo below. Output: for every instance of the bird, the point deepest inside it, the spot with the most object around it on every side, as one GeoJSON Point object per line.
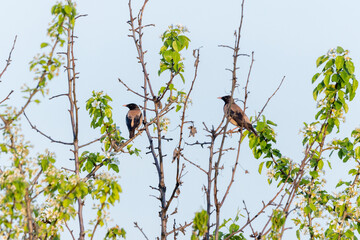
{"type": "Point", "coordinates": [134, 118]}
{"type": "Point", "coordinates": [236, 115]}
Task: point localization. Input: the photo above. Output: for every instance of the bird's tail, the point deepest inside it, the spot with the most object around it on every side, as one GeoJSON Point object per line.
{"type": "Point", "coordinates": [251, 128]}
{"type": "Point", "coordinates": [132, 133]}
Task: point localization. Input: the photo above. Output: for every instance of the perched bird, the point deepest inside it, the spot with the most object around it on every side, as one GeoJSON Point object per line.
{"type": "Point", "coordinates": [236, 115]}
{"type": "Point", "coordinates": [134, 118]}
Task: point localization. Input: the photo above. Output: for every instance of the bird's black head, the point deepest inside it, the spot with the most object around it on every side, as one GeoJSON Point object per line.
{"type": "Point", "coordinates": [226, 99]}
{"type": "Point", "coordinates": [132, 106]}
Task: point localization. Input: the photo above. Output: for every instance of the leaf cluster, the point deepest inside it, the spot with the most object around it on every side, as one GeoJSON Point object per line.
{"type": "Point", "coordinates": [173, 43]}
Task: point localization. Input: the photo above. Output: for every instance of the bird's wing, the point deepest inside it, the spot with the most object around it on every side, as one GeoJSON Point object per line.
{"type": "Point", "coordinates": [128, 121]}
{"type": "Point", "coordinates": [137, 120]}
{"type": "Point", "coordinates": [237, 114]}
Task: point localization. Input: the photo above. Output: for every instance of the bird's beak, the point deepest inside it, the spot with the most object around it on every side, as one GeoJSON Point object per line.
{"type": "Point", "coordinates": [124, 105]}
{"type": "Point", "coordinates": [219, 98]}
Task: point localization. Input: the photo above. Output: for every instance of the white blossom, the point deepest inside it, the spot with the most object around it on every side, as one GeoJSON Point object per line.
{"type": "Point", "coordinates": [95, 103]}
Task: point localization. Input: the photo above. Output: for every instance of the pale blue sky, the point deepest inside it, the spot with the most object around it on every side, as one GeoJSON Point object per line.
{"type": "Point", "coordinates": [286, 36]}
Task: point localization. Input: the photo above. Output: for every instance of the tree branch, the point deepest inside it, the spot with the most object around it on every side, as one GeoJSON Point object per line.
{"type": "Point", "coordinates": [48, 137]}
{"type": "Point", "coordinates": [8, 61]}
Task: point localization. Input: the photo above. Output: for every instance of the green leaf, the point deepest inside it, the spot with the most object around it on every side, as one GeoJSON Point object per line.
{"type": "Point", "coordinates": [182, 77]}
{"type": "Point", "coordinates": [168, 55]}
{"type": "Point", "coordinates": [44, 45]}
{"type": "Point", "coordinates": [327, 80]}
{"type": "Point", "coordinates": [344, 76]}
{"type": "Point", "coordinates": [315, 77]}
{"type": "Point", "coordinates": [268, 164]}
{"type": "Point", "coordinates": [350, 66]}
{"type": "Point", "coordinates": [260, 167]}
{"type": "Point", "coordinates": [338, 105]}
{"type": "Point", "coordinates": [315, 93]}
{"type": "Point", "coordinates": [103, 129]}
{"type": "Point", "coordinates": [271, 123]}
{"type": "Point", "coordinates": [321, 60]}
{"type": "Point", "coordinates": [339, 50]}
{"type": "Point", "coordinates": [184, 40]}
{"type": "Point", "coordinates": [313, 207]}
{"type": "Point", "coordinates": [175, 46]}
{"type": "Point", "coordinates": [163, 49]}
{"type": "Point", "coordinates": [66, 202]}
{"type": "Point", "coordinates": [175, 57]}
{"type": "Point", "coordinates": [3, 148]}
{"type": "Point", "coordinates": [260, 126]}
{"type": "Point", "coordinates": [314, 174]}
{"type": "Point", "coordinates": [352, 172]}
{"type": "Point", "coordinates": [108, 113]}
{"type": "Point", "coordinates": [357, 152]}
{"type": "Point", "coordinates": [339, 62]}
{"type": "Point", "coordinates": [355, 85]}
{"type": "Point", "coordinates": [88, 166]}
{"type": "Point", "coordinates": [335, 78]}
{"type": "Point", "coordinates": [320, 164]}
{"type": "Point", "coordinates": [114, 167]}
{"type": "Point", "coordinates": [329, 64]}
{"type": "Point", "coordinates": [103, 199]}
{"type": "Point", "coordinates": [178, 107]}
{"type": "Point", "coordinates": [68, 9]}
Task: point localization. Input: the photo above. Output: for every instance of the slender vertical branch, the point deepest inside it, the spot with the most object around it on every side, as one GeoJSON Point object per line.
{"type": "Point", "coordinates": [74, 115]}
{"type": "Point", "coordinates": [178, 149]}
{"type": "Point", "coordinates": [136, 35]}
{"type": "Point", "coordinates": [209, 185]}
{"type": "Point", "coordinates": [236, 48]}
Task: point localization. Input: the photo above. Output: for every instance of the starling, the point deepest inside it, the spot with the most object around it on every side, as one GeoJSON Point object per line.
{"type": "Point", "coordinates": [236, 115]}
{"type": "Point", "coordinates": [133, 118]}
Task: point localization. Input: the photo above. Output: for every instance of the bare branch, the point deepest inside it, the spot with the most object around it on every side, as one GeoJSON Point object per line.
{"type": "Point", "coordinates": [97, 223]}
{"type": "Point", "coordinates": [140, 229]}
{"type": "Point", "coordinates": [7, 97]}
{"type": "Point", "coordinates": [8, 61]}
{"type": "Point", "coordinates": [181, 228]}
{"type": "Point", "coordinates": [248, 80]}
{"type": "Point", "coordinates": [198, 143]}
{"type": "Point", "coordinates": [262, 210]}
{"type": "Point", "coordinates": [226, 46]}
{"type": "Point", "coordinates": [129, 89]}
{"type": "Point", "coordinates": [60, 95]}
{"type": "Point", "coordinates": [48, 137]}
{"type": "Point", "coordinates": [196, 165]}
{"type": "Point", "coordinates": [218, 204]}
{"type": "Point", "coordinates": [259, 114]}
{"type": "Point", "coordinates": [70, 231]}
{"type": "Point", "coordinates": [233, 171]}
{"type": "Point", "coordinates": [93, 141]}
{"type": "Point", "coordinates": [81, 15]}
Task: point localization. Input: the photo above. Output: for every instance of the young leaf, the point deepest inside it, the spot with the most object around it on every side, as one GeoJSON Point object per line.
{"type": "Point", "coordinates": [339, 62]}
{"type": "Point", "coordinates": [44, 45]}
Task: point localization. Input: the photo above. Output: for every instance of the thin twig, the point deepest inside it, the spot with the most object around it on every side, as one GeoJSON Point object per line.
{"type": "Point", "coordinates": [129, 89]}
{"type": "Point", "coordinates": [70, 231]}
{"type": "Point", "coordinates": [259, 114]}
{"type": "Point", "coordinates": [194, 164]}
{"type": "Point", "coordinates": [181, 228]}
{"type": "Point", "coordinates": [48, 137]}
{"type": "Point", "coordinates": [218, 204]}
{"type": "Point", "coordinates": [60, 95]}
{"type": "Point", "coordinates": [140, 229]}
{"type": "Point", "coordinates": [93, 141]}
{"type": "Point", "coordinates": [7, 97]}
{"type": "Point", "coordinates": [8, 61]}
